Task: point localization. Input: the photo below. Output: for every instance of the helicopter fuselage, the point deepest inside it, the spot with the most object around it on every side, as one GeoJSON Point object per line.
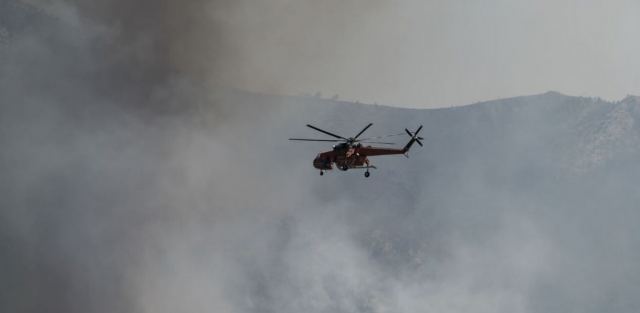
{"type": "Point", "coordinates": [345, 156]}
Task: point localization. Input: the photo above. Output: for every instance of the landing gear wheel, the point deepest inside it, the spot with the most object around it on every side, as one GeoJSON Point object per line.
{"type": "Point", "coordinates": [366, 174]}
{"type": "Point", "coordinates": [344, 167]}
{"type": "Point", "coordinates": [321, 173]}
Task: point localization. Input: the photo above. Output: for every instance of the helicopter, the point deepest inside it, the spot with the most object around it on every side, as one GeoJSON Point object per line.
{"type": "Point", "coordinates": [351, 153]}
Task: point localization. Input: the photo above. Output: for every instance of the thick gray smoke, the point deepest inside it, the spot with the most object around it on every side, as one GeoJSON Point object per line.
{"type": "Point", "coordinates": [134, 181]}
{"type": "Point", "coordinates": [152, 42]}
{"type": "Point", "coordinates": [131, 183]}
{"type": "Point", "coordinates": [108, 157]}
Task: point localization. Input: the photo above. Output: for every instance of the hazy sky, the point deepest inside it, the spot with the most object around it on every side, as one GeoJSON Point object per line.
{"type": "Point", "coordinates": [435, 53]}
{"type": "Point", "coordinates": [408, 52]}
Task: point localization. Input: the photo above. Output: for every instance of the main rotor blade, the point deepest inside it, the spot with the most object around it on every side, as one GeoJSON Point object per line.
{"type": "Point", "coordinates": [326, 132]}
{"type": "Point", "coordinates": [379, 142]}
{"type": "Point", "coordinates": [379, 137]}
{"type": "Point", "coordinates": [362, 131]}
{"type": "Point", "coordinates": [305, 139]}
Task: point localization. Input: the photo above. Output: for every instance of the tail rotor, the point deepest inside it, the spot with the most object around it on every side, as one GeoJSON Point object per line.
{"type": "Point", "coordinates": [414, 138]}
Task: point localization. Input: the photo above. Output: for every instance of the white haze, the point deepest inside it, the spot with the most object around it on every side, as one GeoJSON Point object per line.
{"type": "Point", "coordinates": [132, 182]}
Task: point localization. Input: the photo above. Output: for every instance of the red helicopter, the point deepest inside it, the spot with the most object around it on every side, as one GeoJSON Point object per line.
{"type": "Point", "coordinates": [351, 153]}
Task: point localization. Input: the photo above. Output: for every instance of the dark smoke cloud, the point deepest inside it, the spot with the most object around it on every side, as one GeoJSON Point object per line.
{"type": "Point", "coordinates": [259, 46]}
{"type": "Point", "coordinates": [144, 54]}
{"type": "Point", "coordinates": [99, 104]}
{"type": "Point", "coordinates": [154, 41]}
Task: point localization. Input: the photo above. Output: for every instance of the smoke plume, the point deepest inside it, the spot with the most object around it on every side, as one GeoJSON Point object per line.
{"type": "Point", "coordinates": [137, 177]}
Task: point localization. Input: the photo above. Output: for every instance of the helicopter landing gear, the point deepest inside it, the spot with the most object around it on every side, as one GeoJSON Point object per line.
{"type": "Point", "coordinates": [366, 173]}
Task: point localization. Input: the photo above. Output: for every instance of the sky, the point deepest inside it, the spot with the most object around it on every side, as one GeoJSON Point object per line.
{"type": "Point", "coordinates": [442, 53]}
{"type": "Point", "coordinates": [411, 53]}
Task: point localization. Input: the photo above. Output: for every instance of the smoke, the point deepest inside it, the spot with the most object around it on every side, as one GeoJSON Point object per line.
{"type": "Point", "coordinates": [133, 179]}
{"type": "Point", "coordinates": [265, 47]}
{"type": "Point", "coordinates": [137, 179]}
